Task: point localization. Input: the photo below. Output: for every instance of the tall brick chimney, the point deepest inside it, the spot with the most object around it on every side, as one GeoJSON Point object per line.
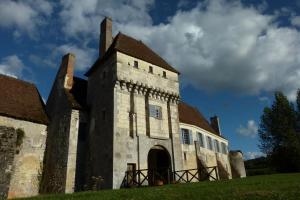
{"type": "Point", "coordinates": [67, 69]}
{"type": "Point", "coordinates": [105, 35]}
{"type": "Point", "coordinates": [215, 124]}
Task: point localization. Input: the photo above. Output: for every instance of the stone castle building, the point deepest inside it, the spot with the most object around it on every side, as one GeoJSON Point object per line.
{"type": "Point", "coordinates": [126, 117]}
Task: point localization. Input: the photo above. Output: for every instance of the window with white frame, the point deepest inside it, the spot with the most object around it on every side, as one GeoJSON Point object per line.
{"type": "Point", "coordinates": [209, 143]}
{"type": "Point", "coordinates": [224, 148]}
{"type": "Point", "coordinates": [200, 139]}
{"type": "Point", "coordinates": [217, 146]}
{"type": "Point", "coordinates": [186, 136]}
{"type": "Point", "coordinates": [155, 111]}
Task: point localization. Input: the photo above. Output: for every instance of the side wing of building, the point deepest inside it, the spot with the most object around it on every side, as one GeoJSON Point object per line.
{"type": "Point", "coordinates": [23, 131]}
{"type": "Point", "coordinates": [202, 145]}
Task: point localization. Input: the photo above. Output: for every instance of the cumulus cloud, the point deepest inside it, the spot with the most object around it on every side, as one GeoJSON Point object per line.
{"type": "Point", "coordinates": [218, 45]}
{"type": "Point", "coordinates": [253, 155]}
{"type": "Point", "coordinates": [11, 66]}
{"type": "Point", "coordinates": [250, 130]}
{"type": "Point", "coordinates": [223, 45]}
{"type": "Point", "coordinates": [84, 56]}
{"type": "Point", "coordinates": [295, 20]}
{"type": "Point", "coordinates": [24, 16]}
{"type": "Point", "coordinates": [82, 18]}
{"type": "Point", "coordinates": [264, 99]}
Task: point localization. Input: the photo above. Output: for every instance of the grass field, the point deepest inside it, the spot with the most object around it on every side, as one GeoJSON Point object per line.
{"type": "Point", "coordinates": [278, 186]}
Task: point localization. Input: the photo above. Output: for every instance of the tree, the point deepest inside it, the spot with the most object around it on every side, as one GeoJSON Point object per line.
{"type": "Point", "coordinates": [278, 136]}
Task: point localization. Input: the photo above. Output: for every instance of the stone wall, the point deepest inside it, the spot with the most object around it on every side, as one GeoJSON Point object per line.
{"type": "Point", "coordinates": [209, 158]}
{"type": "Point", "coordinates": [101, 119]}
{"type": "Point", "coordinates": [135, 132]}
{"type": "Point", "coordinates": [8, 139]}
{"type": "Point", "coordinates": [60, 157]}
{"type": "Point", "coordinates": [25, 179]}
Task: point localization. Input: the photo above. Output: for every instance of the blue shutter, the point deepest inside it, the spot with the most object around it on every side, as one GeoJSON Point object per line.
{"type": "Point", "coordinates": [191, 136]}
{"type": "Point", "coordinates": [152, 112]}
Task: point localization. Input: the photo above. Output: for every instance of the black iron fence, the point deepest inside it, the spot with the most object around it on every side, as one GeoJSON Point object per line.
{"type": "Point", "coordinates": [151, 177]}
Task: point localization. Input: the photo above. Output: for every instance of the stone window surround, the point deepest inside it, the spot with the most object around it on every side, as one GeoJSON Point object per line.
{"type": "Point", "coordinates": [205, 134]}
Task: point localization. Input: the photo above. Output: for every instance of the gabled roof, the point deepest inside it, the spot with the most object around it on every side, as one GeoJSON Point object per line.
{"type": "Point", "coordinates": [77, 95]}
{"type": "Point", "coordinates": [190, 115]}
{"type": "Point", "coordinates": [21, 100]}
{"type": "Point", "coordinates": [134, 48]}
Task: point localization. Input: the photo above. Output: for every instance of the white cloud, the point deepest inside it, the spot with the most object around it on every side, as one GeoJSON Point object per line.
{"type": "Point", "coordinates": [253, 155]}
{"type": "Point", "coordinates": [223, 45]}
{"type": "Point", "coordinates": [250, 130]}
{"type": "Point", "coordinates": [24, 16]}
{"type": "Point", "coordinates": [218, 45]}
{"type": "Point", "coordinates": [82, 18]}
{"type": "Point", "coordinates": [84, 56]}
{"type": "Point", "coordinates": [11, 66]}
{"type": "Point", "coordinates": [264, 99]}
{"type": "Point", "coordinates": [295, 20]}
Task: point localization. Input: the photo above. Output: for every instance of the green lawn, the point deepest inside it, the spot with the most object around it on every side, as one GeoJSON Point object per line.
{"type": "Point", "coordinates": [278, 186]}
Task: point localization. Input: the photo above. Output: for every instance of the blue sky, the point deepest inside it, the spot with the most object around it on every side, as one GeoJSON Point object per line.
{"type": "Point", "coordinates": [232, 54]}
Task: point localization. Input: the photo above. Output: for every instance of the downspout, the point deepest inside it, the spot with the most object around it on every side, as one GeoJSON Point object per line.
{"type": "Point", "coordinates": [135, 121]}
{"type": "Point", "coordinates": [138, 141]}
{"type": "Point", "coordinates": [171, 136]}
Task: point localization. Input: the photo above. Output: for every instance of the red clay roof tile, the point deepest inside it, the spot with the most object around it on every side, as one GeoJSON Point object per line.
{"type": "Point", "coordinates": [21, 100]}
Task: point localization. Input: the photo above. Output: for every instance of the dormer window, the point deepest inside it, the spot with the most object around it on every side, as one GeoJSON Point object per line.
{"type": "Point", "coordinates": [151, 69]}
{"type": "Point", "coordinates": [136, 64]}
{"type": "Point", "coordinates": [164, 74]}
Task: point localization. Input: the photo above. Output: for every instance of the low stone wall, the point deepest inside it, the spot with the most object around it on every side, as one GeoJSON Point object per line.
{"type": "Point", "coordinates": [8, 139]}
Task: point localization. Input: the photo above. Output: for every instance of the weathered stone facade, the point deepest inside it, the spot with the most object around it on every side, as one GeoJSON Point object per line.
{"type": "Point", "coordinates": [8, 139]}
{"type": "Point", "coordinates": [27, 165]}
{"type": "Point", "coordinates": [194, 154]}
{"type": "Point", "coordinates": [237, 164]}
{"type": "Point", "coordinates": [62, 141]}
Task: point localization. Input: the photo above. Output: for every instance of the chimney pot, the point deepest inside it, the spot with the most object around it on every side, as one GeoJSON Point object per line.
{"type": "Point", "coordinates": [215, 123]}
{"type": "Point", "coordinates": [67, 67]}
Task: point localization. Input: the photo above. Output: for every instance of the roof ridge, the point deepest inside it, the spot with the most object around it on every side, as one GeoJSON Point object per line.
{"type": "Point", "coordinates": [17, 79]}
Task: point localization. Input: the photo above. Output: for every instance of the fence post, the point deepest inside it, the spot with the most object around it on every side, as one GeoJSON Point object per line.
{"type": "Point", "coordinates": [168, 172]}
{"type": "Point", "coordinates": [217, 175]}
{"type": "Point", "coordinates": [139, 177]}
{"type": "Point", "coordinates": [127, 184]}
{"type": "Point", "coordinates": [187, 175]}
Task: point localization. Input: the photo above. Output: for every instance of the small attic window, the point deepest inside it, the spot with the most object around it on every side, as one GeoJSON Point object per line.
{"type": "Point", "coordinates": [136, 64]}
{"type": "Point", "coordinates": [164, 74]}
{"type": "Point", "coordinates": [151, 69]}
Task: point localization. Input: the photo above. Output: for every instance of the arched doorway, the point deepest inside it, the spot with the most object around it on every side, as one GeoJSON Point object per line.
{"type": "Point", "coordinates": [159, 166]}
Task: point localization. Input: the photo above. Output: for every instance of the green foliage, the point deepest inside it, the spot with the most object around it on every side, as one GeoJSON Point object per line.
{"type": "Point", "coordinates": [269, 187]}
{"type": "Point", "coordinates": [258, 166]}
{"type": "Point", "coordinates": [20, 137]}
{"type": "Point", "coordinates": [278, 136]}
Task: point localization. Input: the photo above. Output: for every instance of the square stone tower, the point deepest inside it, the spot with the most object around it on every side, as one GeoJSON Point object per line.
{"type": "Point", "coordinates": [132, 97]}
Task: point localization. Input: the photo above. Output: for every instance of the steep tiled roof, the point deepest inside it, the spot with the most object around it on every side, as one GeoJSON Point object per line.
{"type": "Point", "coordinates": [134, 48]}
{"type": "Point", "coordinates": [77, 95]}
{"type": "Point", "coordinates": [21, 100]}
{"type": "Point", "coordinates": [190, 115]}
